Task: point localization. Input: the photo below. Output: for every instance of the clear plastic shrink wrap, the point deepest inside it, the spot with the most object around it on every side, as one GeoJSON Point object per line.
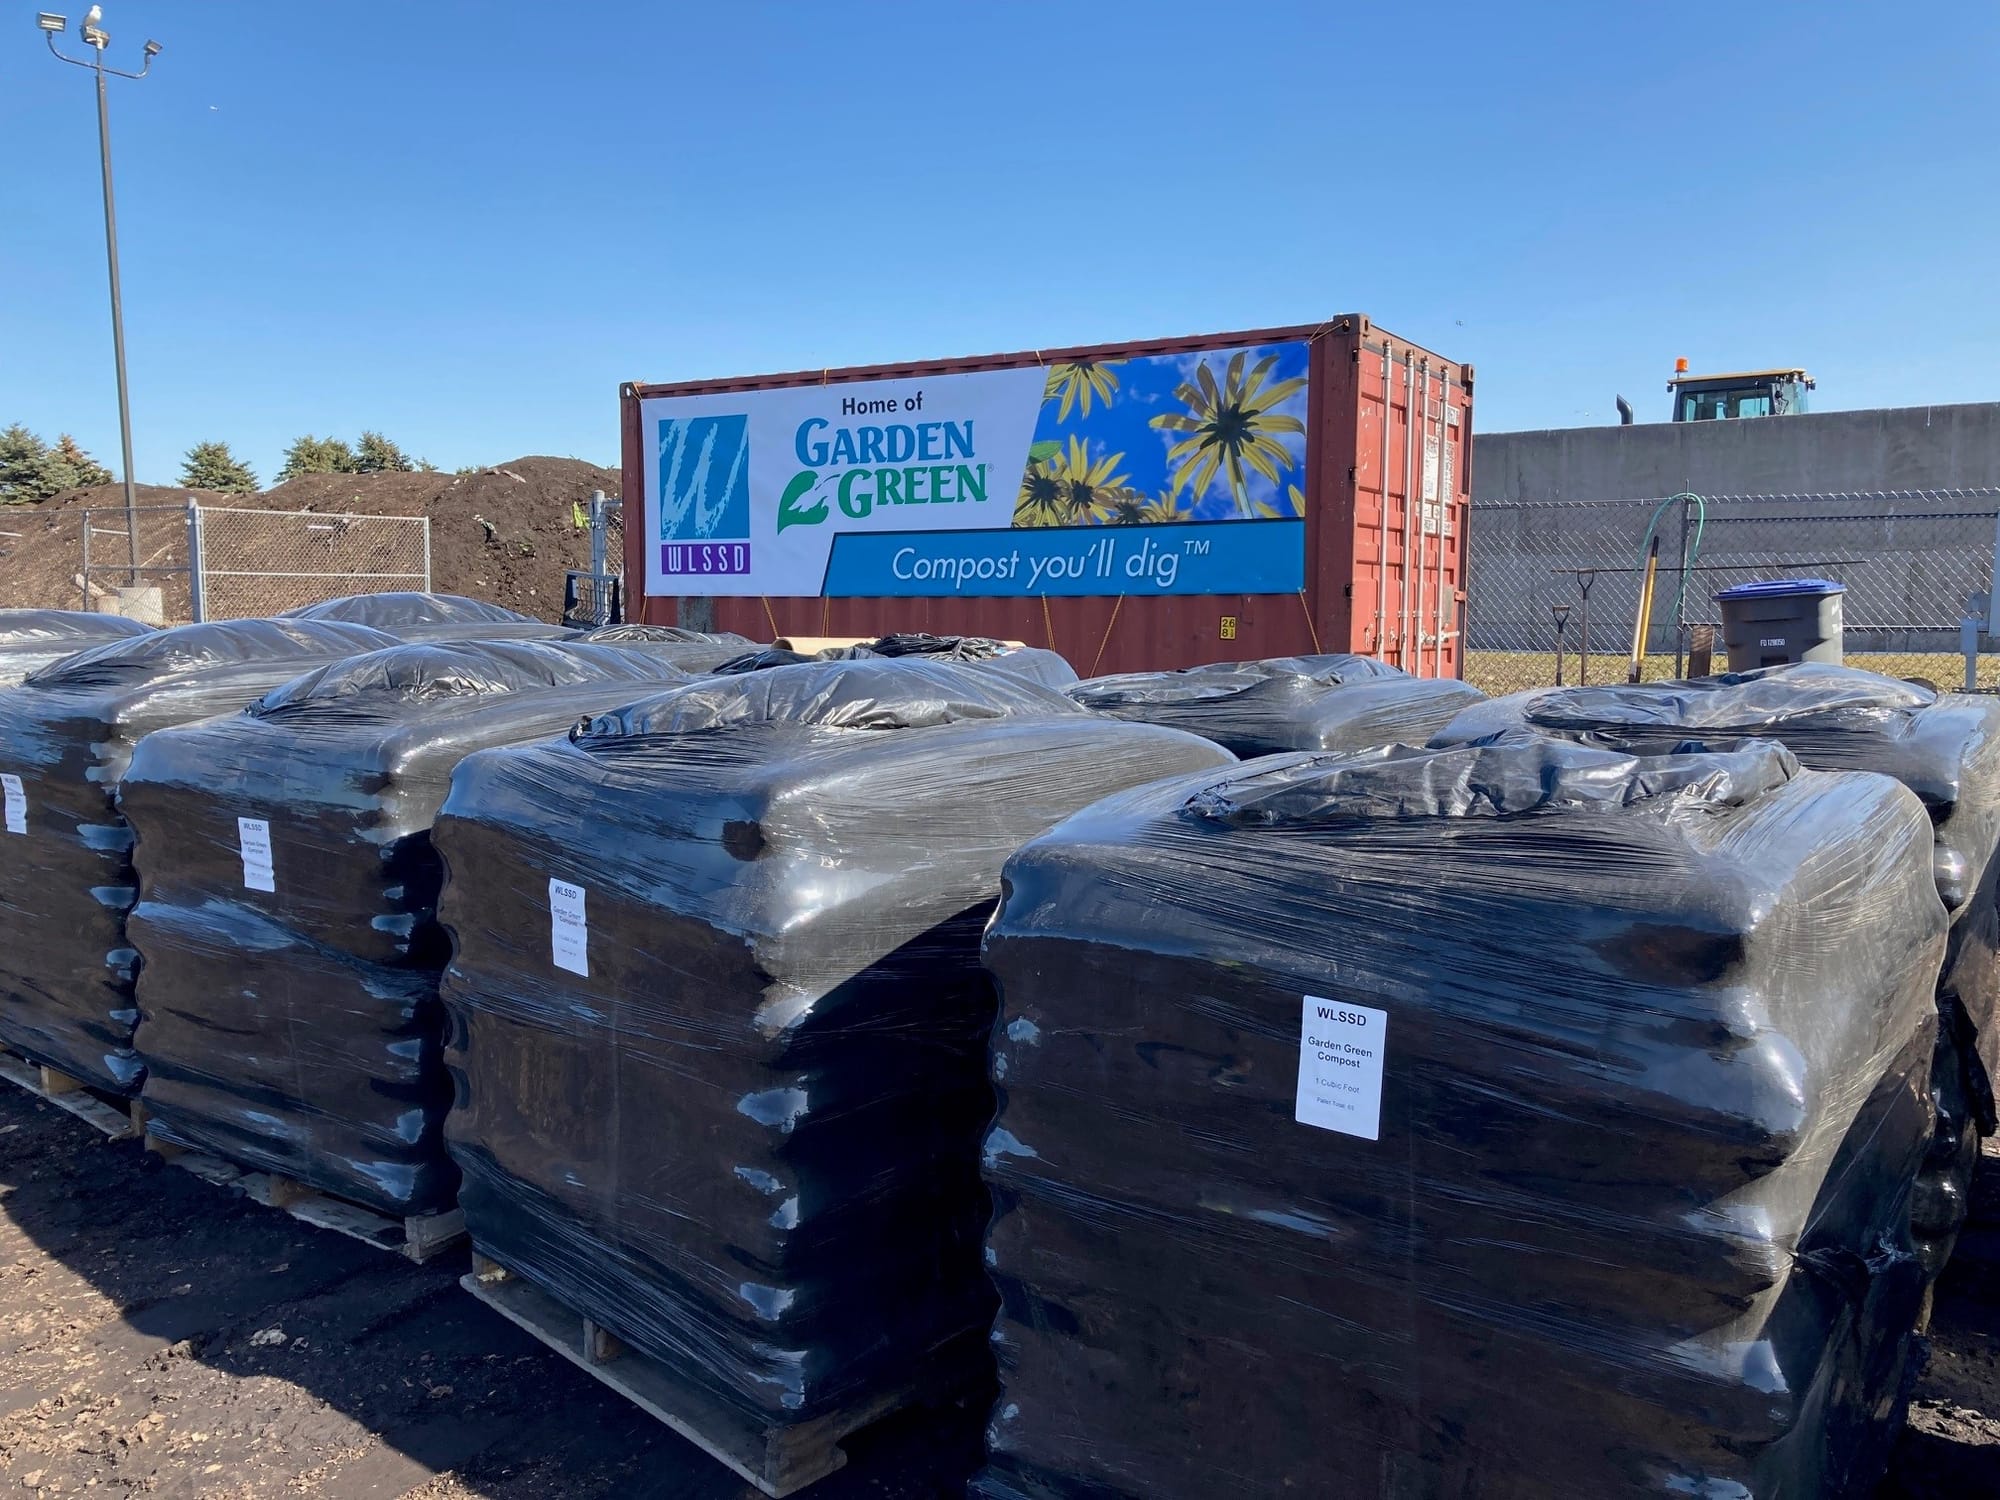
{"type": "Point", "coordinates": [637, 634]}
{"type": "Point", "coordinates": [289, 973]}
{"type": "Point", "coordinates": [31, 639]}
{"type": "Point", "coordinates": [1335, 702]}
{"type": "Point", "coordinates": [1045, 667]}
{"type": "Point", "coordinates": [1945, 747]}
{"type": "Point", "coordinates": [416, 616]}
{"type": "Point", "coordinates": [66, 878]}
{"type": "Point", "coordinates": [718, 1024]}
{"type": "Point", "coordinates": [1049, 668]}
{"type": "Point", "coordinates": [1521, 1120]}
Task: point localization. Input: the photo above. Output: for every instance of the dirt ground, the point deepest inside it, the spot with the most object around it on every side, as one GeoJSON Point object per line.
{"type": "Point", "coordinates": [165, 1337]}
{"type": "Point", "coordinates": [519, 562]}
{"type": "Point", "coordinates": [162, 1336]}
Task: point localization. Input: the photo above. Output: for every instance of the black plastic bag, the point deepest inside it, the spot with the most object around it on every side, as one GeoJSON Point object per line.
{"type": "Point", "coordinates": [31, 639]}
{"type": "Point", "coordinates": [718, 1022]}
{"type": "Point", "coordinates": [287, 925]}
{"type": "Point", "coordinates": [1945, 747]}
{"type": "Point", "coordinates": [1038, 665]}
{"type": "Point", "coordinates": [630, 634]}
{"type": "Point", "coordinates": [1525, 1120]}
{"type": "Point", "coordinates": [417, 616]}
{"type": "Point", "coordinates": [1335, 702]}
{"type": "Point", "coordinates": [66, 878]}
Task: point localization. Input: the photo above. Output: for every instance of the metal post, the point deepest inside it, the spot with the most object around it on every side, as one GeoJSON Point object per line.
{"type": "Point", "coordinates": [86, 559]}
{"type": "Point", "coordinates": [1583, 582]}
{"type": "Point", "coordinates": [1976, 610]}
{"type": "Point", "coordinates": [425, 522]}
{"type": "Point", "coordinates": [598, 529]}
{"type": "Point", "coordinates": [117, 320]}
{"type": "Point", "coordinates": [197, 561]}
{"type": "Point", "coordinates": [95, 38]}
{"type": "Point", "coordinates": [1680, 594]}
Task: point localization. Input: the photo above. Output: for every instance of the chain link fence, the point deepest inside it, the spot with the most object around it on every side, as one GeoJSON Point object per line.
{"type": "Point", "coordinates": [221, 563]}
{"type": "Point", "coordinates": [1911, 560]}
{"type": "Point", "coordinates": [163, 536]}
{"type": "Point", "coordinates": [263, 562]}
{"type": "Point", "coordinates": [595, 596]}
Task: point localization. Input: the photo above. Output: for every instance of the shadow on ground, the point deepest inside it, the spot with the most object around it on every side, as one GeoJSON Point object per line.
{"type": "Point", "coordinates": [159, 1334]}
{"type": "Point", "coordinates": [1950, 1448]}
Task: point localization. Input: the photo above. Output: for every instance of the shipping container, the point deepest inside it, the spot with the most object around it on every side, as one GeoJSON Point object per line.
{"type": "Point", "coordinates": [1133, 506]}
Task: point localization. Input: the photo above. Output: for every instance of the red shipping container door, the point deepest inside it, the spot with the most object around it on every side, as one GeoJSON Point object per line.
{"type": "Point", "coordinates": [1385, 503]}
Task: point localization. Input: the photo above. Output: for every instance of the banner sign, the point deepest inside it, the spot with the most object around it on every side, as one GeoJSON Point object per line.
{"type": "Point", "coordinates": [1158, 474]}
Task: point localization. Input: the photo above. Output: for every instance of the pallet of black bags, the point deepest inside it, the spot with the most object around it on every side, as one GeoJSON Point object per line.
{"type": "Point", "coordinates": [121, 1119]}
{"type": "Point", "coordinates": [779, 1459]}
{"type": "Point", "coordinates": [420, 1237]}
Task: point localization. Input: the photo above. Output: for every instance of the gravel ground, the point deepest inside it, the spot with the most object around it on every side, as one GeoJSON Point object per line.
{"type": "Point", "coordinates": [162, 1336]}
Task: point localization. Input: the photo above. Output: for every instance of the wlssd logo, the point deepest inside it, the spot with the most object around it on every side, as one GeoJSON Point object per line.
{"type": "Point", "coordinates": [704, 495]}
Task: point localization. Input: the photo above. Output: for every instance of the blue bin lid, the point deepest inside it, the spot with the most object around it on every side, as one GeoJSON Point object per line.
{"type": "Point", "coordinates": [1782, 588]}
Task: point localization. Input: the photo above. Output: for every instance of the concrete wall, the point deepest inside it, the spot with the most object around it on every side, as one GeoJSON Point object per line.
{"type": "Point", "coordinates": [1545, 502]}
{"type": "Point", "coordinates": [1898, 448]}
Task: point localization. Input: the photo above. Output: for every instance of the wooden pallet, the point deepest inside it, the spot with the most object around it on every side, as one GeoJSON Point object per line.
{"type": "Point", "coordinates": [55, 1087]}
{"type": "Point", "coordinates": [421, 1237]}
{"type": "Point", "coordinates": [779, 1460]}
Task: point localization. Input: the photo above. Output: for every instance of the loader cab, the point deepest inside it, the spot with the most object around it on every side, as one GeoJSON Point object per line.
{"type": "Point", "coordinates": [1748, 393]}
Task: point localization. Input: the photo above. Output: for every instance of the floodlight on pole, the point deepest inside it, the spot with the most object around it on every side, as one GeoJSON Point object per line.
{"type": "Point", "coordinates": [97, 38]}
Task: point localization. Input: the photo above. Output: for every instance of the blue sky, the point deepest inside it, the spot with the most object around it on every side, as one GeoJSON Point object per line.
{"type": "Point", "coordinates": [464, 224]}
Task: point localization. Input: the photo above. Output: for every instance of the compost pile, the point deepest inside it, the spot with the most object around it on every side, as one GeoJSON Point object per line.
{"type": "Point", "coordinates": [66, 735]}
{"type": "Point", "coordinates": [31, 639]}
{"type": "Point", "coordinates": [290, 893]}
{"type": "Point", "coordinates": [508, 533]}
{"type": "Point", "coordinates": [1335, 702]}
{"type": "Point", "coordinates": [720, 1060]}
{"type": "Point", "coordinates": [1945, 747]}
{"type": "Point", "coordinates": [1529, 1118]}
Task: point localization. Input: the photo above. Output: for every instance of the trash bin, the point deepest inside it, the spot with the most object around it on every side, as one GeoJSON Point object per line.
{"type": "Point", "coordinates": [1778, 620]}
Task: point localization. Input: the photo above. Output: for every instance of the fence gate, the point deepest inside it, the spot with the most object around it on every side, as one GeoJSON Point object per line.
{"type": "Point", "coordinates": [597, 597]}
{"type": "Point", "coordinates": [215, 562]}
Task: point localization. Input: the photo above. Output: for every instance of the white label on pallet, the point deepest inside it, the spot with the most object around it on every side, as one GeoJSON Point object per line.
{"type": "Point", "coordinates": [253, 839]}
{"type": "Point", "coordinates": [17, 803]}
{"type": "Point", "coordinates": [1340, 1067]}
{"type": "Point", "coordinates": [569, 933]}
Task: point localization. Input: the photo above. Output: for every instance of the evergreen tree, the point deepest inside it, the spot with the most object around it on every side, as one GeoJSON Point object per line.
{"type": "Point", "coordinates": [72, 468]}
{"type": "Point", "coordinates": [24, 460]}
{"type": "Point", "coordinates": [211, 466]}
{"type": "Point", "coordinates": [31, 470]}
{"type": "Point", "coordinates": [313, 455]}
{"type": "Point", "coordinates": [375, 454]}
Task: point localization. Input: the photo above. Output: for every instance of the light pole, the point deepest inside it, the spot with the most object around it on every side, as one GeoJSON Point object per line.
{"type": "Point", "coordinates": [95, 37]}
